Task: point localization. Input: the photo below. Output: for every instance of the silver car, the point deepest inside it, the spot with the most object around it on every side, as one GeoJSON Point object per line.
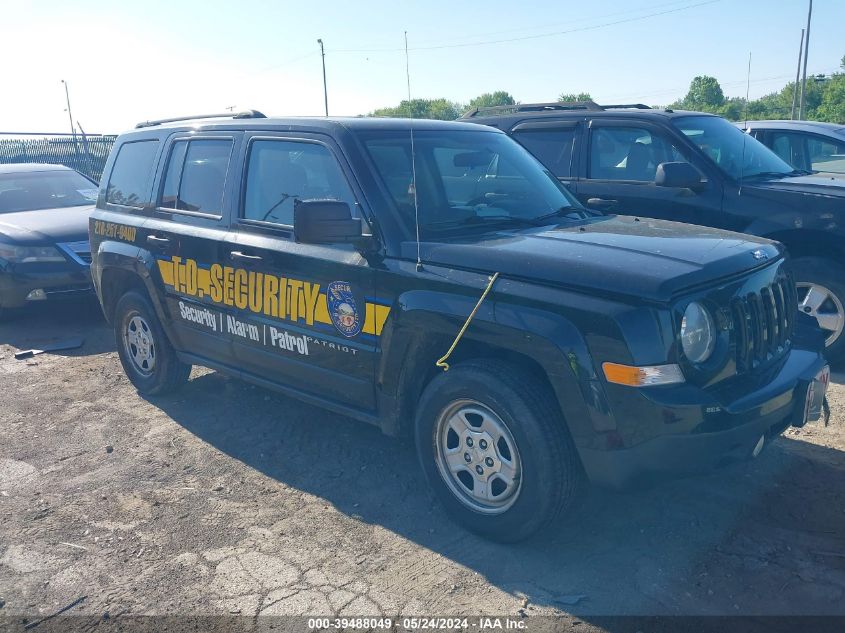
{"type": "Point", "coordinates": [807, 145]}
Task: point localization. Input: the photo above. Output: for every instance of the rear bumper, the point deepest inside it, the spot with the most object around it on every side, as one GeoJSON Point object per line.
{"type": "Point", "coordinates": [716, 433]}
{"type": "Point", "coordinates": [64, 283]}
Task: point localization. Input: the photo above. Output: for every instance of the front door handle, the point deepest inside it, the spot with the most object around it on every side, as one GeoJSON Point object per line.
{"type": "Point", "coordinates": [237, 255]}
{"type": "Point", "coordinates": [602, 203]}
{"type": "Point", "coordinates": [154, 240]}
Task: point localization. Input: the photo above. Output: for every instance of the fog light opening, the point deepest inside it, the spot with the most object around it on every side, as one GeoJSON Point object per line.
{"type": "Point", "coordinates": [37, 295]}
{"type": "Point", "coordinates": [759, 447]}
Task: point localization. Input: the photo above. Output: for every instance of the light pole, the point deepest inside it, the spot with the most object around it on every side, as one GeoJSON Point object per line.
{"type": "Point", "coordinates": [806, 52]}
{"type": "Point", "coordinates": [797, 76]}
{"type": "Point", "coordinates": [325, 90]}
{"type": "Point", "coordinates": [69, 115]}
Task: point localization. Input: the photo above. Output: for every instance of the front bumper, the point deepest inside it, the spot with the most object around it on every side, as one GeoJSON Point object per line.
{"type": "Point", "coordinates": [59, 281]}
{"type": "Point", "coordinates": [692, 434]}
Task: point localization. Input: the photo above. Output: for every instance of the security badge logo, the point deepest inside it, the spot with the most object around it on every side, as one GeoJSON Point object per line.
{"type": "Point", "coordinates": [342, 308]}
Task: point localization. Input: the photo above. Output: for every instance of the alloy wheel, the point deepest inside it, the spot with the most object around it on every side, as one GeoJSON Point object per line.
{"type": "Point", "coordinates": [822, 304]}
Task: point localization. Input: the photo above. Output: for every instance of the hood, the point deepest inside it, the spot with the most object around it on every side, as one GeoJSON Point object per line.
{"type": "Point", "coordinates": [820, 184]}
{"type": "Point", "coordinates": [618, 255]}
{"type": "Point", "coordinates": [45, 226]}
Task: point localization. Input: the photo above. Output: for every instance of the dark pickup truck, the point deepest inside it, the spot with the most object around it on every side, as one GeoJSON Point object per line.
{"type": "Point", "coordinates": [433, 279]}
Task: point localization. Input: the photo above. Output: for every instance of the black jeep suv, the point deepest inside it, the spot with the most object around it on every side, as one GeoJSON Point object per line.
{"type": "Point", "coordinates": [697, 168]}
{"type": "Point", "coordinates": [435, 280]}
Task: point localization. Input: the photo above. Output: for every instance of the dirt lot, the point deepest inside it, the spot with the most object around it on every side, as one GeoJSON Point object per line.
{"type": "Point", "coordinates": [230, 499]}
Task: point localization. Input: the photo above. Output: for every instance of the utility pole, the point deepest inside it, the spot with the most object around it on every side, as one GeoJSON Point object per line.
{"type": "Point", "coordinates": [325, 90]}
{"type": "Point", "coordinates": [806, 51]}
{"type": "Point", "coordinates": [797, 76]}
{"type": "Point", "coordinates": [69, 115]}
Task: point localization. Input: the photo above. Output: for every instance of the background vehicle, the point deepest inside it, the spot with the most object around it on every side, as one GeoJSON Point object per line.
{"type": "Point", "coordinates": [44, 250]}
{"type": "Point", "coordinates": [284, 251]}
{"type": "Point", "coordinates": [696, 168]}
{"type": "Point", "coordinates": [806, 145]}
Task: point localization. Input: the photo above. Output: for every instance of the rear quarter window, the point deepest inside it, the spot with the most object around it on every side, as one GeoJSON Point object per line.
{"type": "Point", "coordinates": [131, 175]}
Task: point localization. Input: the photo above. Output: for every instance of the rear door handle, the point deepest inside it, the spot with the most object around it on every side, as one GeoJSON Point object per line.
{"type": "Point", "coordinates": [237, 255]}
{"type": "Point", "coordinates": [602, 203]}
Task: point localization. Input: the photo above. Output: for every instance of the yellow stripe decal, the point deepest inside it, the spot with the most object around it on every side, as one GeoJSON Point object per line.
{"type": "Point", "coordinates": [278, 297]}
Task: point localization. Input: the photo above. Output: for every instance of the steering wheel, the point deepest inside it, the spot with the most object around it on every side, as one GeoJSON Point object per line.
{"type": "Point", "coordinates": [485, 198]}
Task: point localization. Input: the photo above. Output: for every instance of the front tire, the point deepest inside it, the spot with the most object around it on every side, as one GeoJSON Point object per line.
{"type": "Point", "coordinates": [148, 358]}
{"type": "Point", "coordinates": [821, 294]}
{"type": "Point", "coordinates": [495, 449]}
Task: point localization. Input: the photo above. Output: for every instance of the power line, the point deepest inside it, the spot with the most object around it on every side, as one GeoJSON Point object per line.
{"type": "Point", "coordinates": [287, 62]}
{"type": "Point", "coordinates": [569, 21]}
{"type": "Point", "coordinates": [527, 37]}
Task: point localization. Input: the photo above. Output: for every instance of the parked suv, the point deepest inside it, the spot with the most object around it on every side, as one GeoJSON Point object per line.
{"type": "Point", "coordinates": [806, 145]}
{"type": "Point", "coordinates": [696, 168]}
{"type": "Point", "coordinates": [434, 280]}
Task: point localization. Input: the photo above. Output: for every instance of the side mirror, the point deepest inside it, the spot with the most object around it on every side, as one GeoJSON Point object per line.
{"type": "Point", "coordinates": [680, 175]}
{"type": "Point", "coordinates": [324, 222]}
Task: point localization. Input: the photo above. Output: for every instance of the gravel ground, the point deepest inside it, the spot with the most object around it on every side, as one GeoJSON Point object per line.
{"type": "Point", "coordinates": [227, 498]}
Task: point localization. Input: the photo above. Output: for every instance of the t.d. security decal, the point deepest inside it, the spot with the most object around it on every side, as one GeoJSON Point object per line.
{"type": "Point", "coordinates": [285, 298]}
{"type": "Point", "coordinates": [200, 316]}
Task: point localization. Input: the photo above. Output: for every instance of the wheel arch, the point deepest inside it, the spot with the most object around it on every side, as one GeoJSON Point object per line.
{"type": "Point", "coordinates": [810, 243]}
{"type": "Point", "coordinates": [416, 338]}
{"type": "Point", "coordinates": [122, 267]}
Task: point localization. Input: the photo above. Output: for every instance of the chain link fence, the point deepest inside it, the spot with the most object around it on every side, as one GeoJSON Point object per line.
{"type": "Point", "coordinates": [86, 153]}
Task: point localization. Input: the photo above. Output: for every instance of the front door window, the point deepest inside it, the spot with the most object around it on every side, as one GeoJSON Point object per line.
{"type": "Point", "coordinates": [628, 153]}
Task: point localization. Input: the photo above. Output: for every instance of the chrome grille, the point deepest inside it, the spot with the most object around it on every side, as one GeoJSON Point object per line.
{"type": "Point", "coordinates": [764, 322]}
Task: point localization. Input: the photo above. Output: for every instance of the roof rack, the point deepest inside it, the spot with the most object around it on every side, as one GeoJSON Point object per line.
{"type": "Point", "coordinates": [553, 106]}
{"type": "Point", "coordinates": [246, 114]}
{"type": "Point", "coordinates": [627, 106]}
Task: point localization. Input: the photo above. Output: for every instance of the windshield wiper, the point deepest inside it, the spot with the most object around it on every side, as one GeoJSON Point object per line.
{"type": "Point", "coordinates": [562, 212]}
{"type": "Point", "coordinates": [772, 174]}
{"type": "Point", "coordinates": [482, 220]}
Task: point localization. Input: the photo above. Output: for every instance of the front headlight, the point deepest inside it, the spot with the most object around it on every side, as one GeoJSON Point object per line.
{"type": "Point", "coordinates": [27, 254]}
{"type": "Point", "coordinates": [698, 333]}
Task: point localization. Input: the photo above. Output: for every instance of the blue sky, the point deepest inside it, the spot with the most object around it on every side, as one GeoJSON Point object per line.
{"type": "Point", "coordinates": [126, 62]}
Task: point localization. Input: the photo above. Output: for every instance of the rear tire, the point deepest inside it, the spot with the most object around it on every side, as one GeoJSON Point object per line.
{"type": "Point", "coordinates": [145, 352]}
{"type": "Point", "coordinates": [821, 294]}
{"type": "Point", "coordinates": [487, 418]}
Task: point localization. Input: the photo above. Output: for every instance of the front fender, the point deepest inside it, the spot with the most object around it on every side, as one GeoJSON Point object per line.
{"type": "Point", "coordinates": [424, 323]}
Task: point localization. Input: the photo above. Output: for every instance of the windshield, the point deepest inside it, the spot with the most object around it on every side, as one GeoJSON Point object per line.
{"type": "Point", "coordinates": [466, 179]}
{"type": "Point", "coordinates": [726, 145]}
{"type": "Point", "coordinates": [31, 190]}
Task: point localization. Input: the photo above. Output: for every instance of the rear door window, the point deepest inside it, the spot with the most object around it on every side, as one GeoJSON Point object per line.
{"type": "Point", "coordinates": [196, 176]}
{"type": "Point", "coordinates": [826, 154]}
{"type": "Point", "coordinates": [552, 147]}
{"type": "Point", "coordinates": [131, 175]}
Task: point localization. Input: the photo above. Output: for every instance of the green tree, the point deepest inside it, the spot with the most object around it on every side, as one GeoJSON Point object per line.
{"type": "Point", "coordinates": [574, 96]}
{"type": "Point", "coordinates": [704, 94]}
{"type": "Point", "coordinates": [832, 106]}
{"type": "Point", "coordinates": [489, 99]}
{"type": "Point", "coordinates": [442, 109]}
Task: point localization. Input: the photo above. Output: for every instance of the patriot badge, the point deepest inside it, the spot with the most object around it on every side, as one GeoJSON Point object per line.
{"type": "Point", "coordinates": [342, 308]}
